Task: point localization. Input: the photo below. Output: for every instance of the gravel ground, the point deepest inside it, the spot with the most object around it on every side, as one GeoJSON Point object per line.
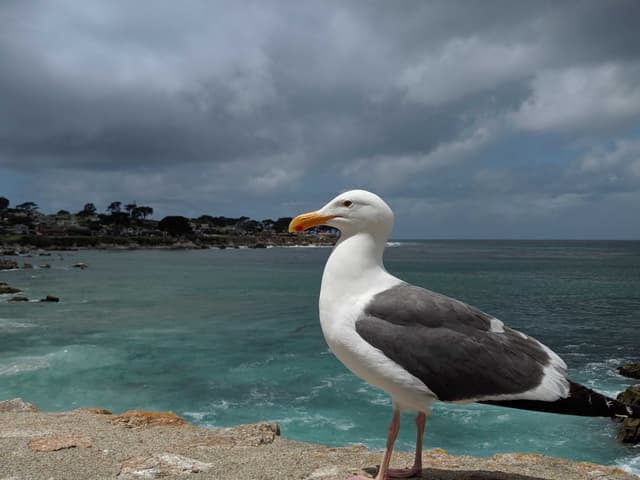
{"type": "Point", "coordinates": [90, 445]}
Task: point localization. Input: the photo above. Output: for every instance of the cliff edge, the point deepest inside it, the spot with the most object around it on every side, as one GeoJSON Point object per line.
{"type": "Point", "coordinates": [95, 444]}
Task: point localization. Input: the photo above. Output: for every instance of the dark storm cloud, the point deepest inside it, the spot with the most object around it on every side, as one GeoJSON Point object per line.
{"type": "Point", "coordinates": [198, 102]}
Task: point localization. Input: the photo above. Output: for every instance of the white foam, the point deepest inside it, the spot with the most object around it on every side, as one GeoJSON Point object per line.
{"type": "Point", "coordinates": [25, 364]}
{"type": "Point", "coordinates": [630, 464]}
{"type": "Point", "coordinates": [7, 326]}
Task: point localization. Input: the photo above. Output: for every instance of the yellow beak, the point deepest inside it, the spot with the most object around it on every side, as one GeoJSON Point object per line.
{"type": "Point", "coordinates": [307, 220]}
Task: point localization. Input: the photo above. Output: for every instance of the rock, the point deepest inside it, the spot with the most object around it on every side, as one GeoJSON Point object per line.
{"type": "Point", "coordinates": [5, 288]}
{"type": "Point", "coordinates": [8, 264]}
{"type": "Point", "coordinates": [27, 265]}
{"type": "Point", "coordinates": [17, 405]}
{"type": "Point", "coordinates": [141, 419]}
{"type": "Point", "coordinates": [44, 265]}
{"type": "Point", "coordinates": [18, 299]}
{"type": "Point", "coordinates": [50, 298]}
{"type": "Point", "coordinates": [251, 435]}
{"type": "Point", "coordinates": [59, 442]}
{"type": "Point", "coordinates": [631, 396]}
{"type": "Point", "coordinates": [630, 431]}
{"type": "Point", "coordinates": [160, 465]}
{"type": "Point", "coordinates": [631, 370]}
{"type": "Point", "coordinates": [80, 265]}
{"type": "Point", "coordinates": [92, 411]}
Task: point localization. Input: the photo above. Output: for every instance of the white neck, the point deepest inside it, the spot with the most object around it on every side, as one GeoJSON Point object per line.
{"type": "Point", "coordinates": [355, 267]}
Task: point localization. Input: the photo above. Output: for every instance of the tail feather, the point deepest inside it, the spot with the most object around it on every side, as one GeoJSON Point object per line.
{"type": "Point", "coordinates": [581, 401]}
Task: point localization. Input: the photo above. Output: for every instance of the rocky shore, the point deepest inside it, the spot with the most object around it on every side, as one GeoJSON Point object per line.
{"type": "Point", "coordinates": [92, 443]}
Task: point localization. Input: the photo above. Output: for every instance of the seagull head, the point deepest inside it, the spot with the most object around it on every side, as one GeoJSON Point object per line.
{"type": "Point", "coordinates": [352, 212]}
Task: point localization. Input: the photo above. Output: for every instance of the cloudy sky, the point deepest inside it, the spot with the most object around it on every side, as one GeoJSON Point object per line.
{"type": "Point", "coordinates": [493, 119]}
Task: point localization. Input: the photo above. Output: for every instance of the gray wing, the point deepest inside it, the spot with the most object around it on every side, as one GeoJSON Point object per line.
{"type": "Point", "coordinates": [451, 346]}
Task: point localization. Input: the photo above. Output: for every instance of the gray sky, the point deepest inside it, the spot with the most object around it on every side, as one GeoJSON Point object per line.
{"type": "Point", "coordinates": [493, 119]}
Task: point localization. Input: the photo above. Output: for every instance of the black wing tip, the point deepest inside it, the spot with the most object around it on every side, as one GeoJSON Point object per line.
{"type": "Point", "coordinates": [581, 401]}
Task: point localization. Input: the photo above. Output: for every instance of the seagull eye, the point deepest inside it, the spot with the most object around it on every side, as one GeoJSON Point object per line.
{"type": "Point", "coordinates": [347, 203]}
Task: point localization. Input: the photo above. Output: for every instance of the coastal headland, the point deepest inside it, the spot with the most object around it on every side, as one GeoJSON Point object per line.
{"type": "Point", "coordinates": [24, 228]}
{"type": "Point", "coordinates": [92, 443]}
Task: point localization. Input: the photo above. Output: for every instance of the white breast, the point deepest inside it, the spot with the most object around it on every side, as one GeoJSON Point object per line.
{"type": "Point", "coordinates": [346, 290]}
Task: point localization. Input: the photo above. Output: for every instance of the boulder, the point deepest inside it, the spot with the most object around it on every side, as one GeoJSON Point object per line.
{"type": "Point", "coordinates": [18, 299]}
{"type": "Point", "coordinates": [50, 298]}
{"type": "Point", "coordinates": [631, 370]}
{"type": "Point", "coordinates": [16, 405]}
{"type": "Point", "coordinates": [8, 264]}
{"type": "Point", "coordinates": [141, 419]}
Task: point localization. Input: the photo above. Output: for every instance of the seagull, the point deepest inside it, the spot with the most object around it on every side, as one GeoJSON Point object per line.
{"type": "Point", "coordinates": [422, 347]}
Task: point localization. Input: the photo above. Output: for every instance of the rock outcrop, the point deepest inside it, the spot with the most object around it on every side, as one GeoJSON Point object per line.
{"type": "Point", "coordinates": [630, 430]}
{"type": "Point", "coordinates": [141, 419]}
{"type": "Point", "coordinates": [92, 444]}
{"type": "Point", "coordinates": [631, 370]}
{"type": "Point", "coordinates": [16, 405]}
{"type": "Point", "coordinates": [59, 442]}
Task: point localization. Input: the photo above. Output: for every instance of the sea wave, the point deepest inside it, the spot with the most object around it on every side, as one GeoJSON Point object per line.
{"type": "Point", "coordinates": [10, 326]}
{"type": "Point", "coordinates": [25, 364]}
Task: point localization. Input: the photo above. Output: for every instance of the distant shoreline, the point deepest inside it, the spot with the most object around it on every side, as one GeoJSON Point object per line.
{"type": "Point", "coordinates": [28, 244]}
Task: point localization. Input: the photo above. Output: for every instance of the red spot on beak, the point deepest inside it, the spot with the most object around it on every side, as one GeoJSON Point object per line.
{"type": "Point", "coordinates": [298, 228]}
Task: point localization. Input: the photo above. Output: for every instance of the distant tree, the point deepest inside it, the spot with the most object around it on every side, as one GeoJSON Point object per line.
{"type": "Point", "coordinates": [28, 207]}
{"type": "Point", "coordinates": [142, 211]}
{"type": "Point", "coordinates": [88, 210]}
{"type": "Point", "coordinates": [175, 225]}
{"type": "Point", "coordinates": [282, 224]}
{"type": "Point", "coordinates": [249, 226]}
{"type": "Point", "coordinates": [130, 207]}
{"type": "Point", "coordinates": [4, 203]}
{"type": "Point", "coordinates": [62, 212]}
{"type": "Point", "coordinates": [114, 207]}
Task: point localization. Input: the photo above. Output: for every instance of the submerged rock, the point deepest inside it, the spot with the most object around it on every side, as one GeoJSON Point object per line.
{"type": "Point", "coordinates": [631, 370]}
{"type": "Point", "coordinates": [50, 298]}
{"type": "Point", "coordinates": [80, 265]}
{"type": "Point", "coordinates": [18, 299]}
{"type": "Point", "coordinates": [6, 288]}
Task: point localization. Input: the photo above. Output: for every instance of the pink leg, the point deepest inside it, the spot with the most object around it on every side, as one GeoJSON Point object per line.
{"type": "Point", "coordinates": [416, 470]}
{"type": "Point", "coordinates": [392, 433]}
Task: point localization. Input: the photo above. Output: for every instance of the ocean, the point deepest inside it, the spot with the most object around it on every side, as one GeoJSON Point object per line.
{"type": "Point", "coordinates": [223, 337]}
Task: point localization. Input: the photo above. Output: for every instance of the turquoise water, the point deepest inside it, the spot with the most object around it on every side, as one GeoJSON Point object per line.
{"type": "Point", "coordinates": [223, 337]}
